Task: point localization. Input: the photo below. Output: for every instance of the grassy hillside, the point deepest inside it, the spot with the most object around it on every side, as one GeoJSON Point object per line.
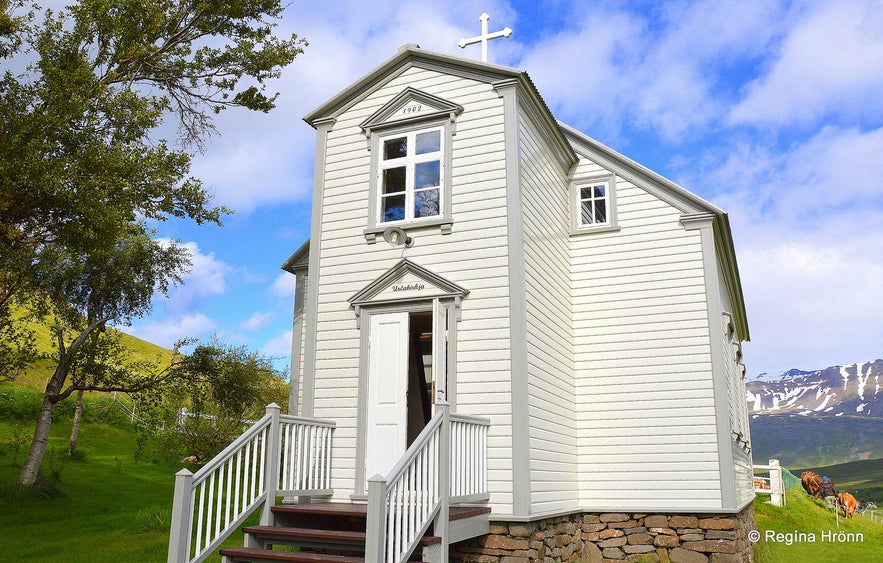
{"type": "Point", "coordinates": [38, 373]}
{"type": "Point", "coordinates": [807, 441]}
{"type": "Point", "coordinates": [804, 530]}
{"type": "Point", "coordinates": [864, 479]}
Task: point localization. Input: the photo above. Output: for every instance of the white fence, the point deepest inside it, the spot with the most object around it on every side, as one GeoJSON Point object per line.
{"type": "Point", "coordinates": [211, 503]}
{"type": "Point", "coordinates": [773, 485]}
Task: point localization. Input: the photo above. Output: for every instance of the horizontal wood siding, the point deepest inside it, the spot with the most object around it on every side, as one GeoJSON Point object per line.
{"type": "Point", "coordinates": [644, 394]}
{"type": "Point", "coordinates": [737, 406]}
{"type": "Point", "coordinates": [545, 215]}
{"type": "Point", "coordinates": [474, 255]}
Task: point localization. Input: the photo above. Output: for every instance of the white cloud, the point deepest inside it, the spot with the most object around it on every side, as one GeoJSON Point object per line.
{"type": "Point", "coordinates": [662, 70]}
{"type": "Point", "coordinates": [167, 331]}
{"type": "Point", "coordinates": [806, 226]}
{"type": "Point", "coordinates": [256, 322]}
{"type": "Point", "coordinates": [278, 346]}
{"type": "Point", "coordinates": [829, 65]}
{"type": "Point", "coordinates": [206, 278]}
{"type": "Point", "coordinates": [812, 304]}
{"type": "Point", "coordinates": [283, 286]}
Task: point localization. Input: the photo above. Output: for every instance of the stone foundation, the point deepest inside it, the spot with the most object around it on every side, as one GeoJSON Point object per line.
{"type": "Point", "coordinates": [596, 538]}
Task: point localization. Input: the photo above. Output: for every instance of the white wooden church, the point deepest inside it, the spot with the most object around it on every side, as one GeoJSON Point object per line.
{"type": "Point", "coordinates": [557, 325]}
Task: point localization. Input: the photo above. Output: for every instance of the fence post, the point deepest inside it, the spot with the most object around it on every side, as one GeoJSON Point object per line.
{"type": "Point", "coordinates": [375, 526]}
{"type": "Point", "coordinates": [271, 468]}
{"type": "Point", "coordinates": [182, 514]}
{"type": "Point", "coordinates": [442, 521]}
{"type": "Point", "coordinates": [777, 485]}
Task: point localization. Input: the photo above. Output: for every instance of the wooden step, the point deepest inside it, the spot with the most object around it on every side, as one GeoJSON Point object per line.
{"type": "Point", "coordinates": [360, 510]}
{"type": "Point", "coordinates": [345, 509]}
{"type": "Point", "coordinates": [340, 537]}
{"type": "Point", "coordinates": [252, 554]}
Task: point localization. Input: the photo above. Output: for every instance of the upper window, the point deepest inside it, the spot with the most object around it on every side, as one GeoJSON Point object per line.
{"type": "Point", "coordinates": [411, 176]}
{"type": "Point", "coordinates": [411, 141]}
{"type": "Point", "coordinates": [594, 203]}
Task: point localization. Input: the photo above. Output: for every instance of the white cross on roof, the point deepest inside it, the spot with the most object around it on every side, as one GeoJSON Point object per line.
{"type": "Point", "coordinates": [485, 36]}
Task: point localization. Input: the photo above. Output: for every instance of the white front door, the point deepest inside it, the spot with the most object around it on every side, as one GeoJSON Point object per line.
{"type": "Point", "coordinates": [387, 392]}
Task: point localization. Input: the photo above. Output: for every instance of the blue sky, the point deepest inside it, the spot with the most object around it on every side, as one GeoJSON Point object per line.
{"type": "Point", "coordinates": [770, 110]}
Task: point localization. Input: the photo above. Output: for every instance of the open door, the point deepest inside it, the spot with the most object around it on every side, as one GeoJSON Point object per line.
{"type": "Point", "coordinates": [386, 430]}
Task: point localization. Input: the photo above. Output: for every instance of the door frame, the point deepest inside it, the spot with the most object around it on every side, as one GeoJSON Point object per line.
{"type": "Point", "coordinates": [452, 306]}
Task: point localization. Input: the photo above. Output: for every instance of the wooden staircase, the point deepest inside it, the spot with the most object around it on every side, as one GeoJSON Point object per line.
{"type": "Point", "coordinates": [332, 532]}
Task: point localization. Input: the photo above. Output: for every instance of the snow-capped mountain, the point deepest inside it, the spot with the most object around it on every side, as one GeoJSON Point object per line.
{"type": "Point", "coordinates": [854, 390]}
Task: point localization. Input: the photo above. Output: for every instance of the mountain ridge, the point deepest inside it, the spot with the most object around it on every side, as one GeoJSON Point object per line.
{"type": "Point", "coordinates": [816, 418]}
{"type": "Point", "coordinates": [855, 389]}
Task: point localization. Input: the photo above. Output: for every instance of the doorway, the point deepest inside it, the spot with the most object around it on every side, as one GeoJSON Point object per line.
{"type": "Point", "coordinates": [400, 385]}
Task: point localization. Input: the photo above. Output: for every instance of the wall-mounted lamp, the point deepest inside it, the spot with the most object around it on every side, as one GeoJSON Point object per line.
{"type": "Point", "coordinates": [397, 236]}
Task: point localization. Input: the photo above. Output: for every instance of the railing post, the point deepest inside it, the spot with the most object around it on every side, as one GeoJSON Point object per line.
{"type": "Point", "coordinates": [777, 485]}
{"type": "Point", "coordinates": [375, 526]}
{"type": "Point", "coordinates": [271, 469]}
{"type": "Point", "coordinates": [182, 514]}
{"type": "Point", "coordinates": [442, 520]}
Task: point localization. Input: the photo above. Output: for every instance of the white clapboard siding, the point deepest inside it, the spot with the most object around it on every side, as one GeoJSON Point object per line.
{"type": "Point", "coordinates": [737, 412]}
{"type": "Point", "coordinates": [545, 212]}
{"type": "Point", "coordinates": [643, 360]}
{"type": "Point", "coordinates": [475, 257]}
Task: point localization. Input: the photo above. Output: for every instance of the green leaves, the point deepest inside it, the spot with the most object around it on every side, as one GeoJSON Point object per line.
{"type": "Point", "coordinates": [83, 167]}
{"type": "Point", "coordinates": [80, 164]}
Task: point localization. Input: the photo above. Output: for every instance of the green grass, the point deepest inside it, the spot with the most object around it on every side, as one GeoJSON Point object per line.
{"type": "Point", "coordinates": [105, 507]}
{"type": "Point", "coordinates": [805, 519]}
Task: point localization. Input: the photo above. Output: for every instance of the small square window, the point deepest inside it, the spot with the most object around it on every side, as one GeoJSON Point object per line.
{"type": "Point", "coordinates": [594, 204]}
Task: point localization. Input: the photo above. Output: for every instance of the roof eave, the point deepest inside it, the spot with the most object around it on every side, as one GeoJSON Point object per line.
{"type": "Point", "coordinates": [299, 259]}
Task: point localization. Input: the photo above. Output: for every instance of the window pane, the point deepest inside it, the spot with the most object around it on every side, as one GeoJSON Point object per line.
{"type": "Point", "coordinates": [585, 193]}
{"type": "Point", "coordinates": [427, 174]}
{"type": "Point", "coordinates": [585, 212]}
{"type": "Point", "coordinates": [394, 180]}
{"type": "Point", "coordinates": [428, 142]}
{"type": "Point", "coordinates": [395, 148]}
{"type": "Point", "coordinates": [426, 203]}
{"type": "Point", "coordinates": [599, 191]}
{"type": "Point", "coordinates": [600, 211]}
{"type": "Point", "coordinates": [393, 208]}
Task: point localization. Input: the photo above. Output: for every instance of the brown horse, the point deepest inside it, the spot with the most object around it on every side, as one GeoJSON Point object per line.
{"type": "Point", "coordinates": [811, 482]}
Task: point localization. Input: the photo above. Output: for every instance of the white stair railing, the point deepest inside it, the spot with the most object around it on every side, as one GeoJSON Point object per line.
{"type": "Point", "coordinates": [469, 458]}
{"type": "Point", "coordinates": [251, 472]}
{"type": "Point", "coordinates": [447, 461]}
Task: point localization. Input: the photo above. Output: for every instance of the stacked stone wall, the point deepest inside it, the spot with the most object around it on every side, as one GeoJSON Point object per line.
{"type": "Point", "coordinates": [607, 537]}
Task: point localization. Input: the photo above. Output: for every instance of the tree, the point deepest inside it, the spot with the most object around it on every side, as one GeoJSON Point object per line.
{"type": "Point", "coordinates": [220, 387]}
{"type": "Point", "coordinates": [81, 167]}
{"type": "Point", "coordinates": [89, 292]}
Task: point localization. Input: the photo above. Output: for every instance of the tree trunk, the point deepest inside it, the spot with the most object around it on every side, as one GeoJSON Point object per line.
{"type": "Point", "coordinates": [75, 430]}
{"type": "Point", "coordinates": [31, 469]}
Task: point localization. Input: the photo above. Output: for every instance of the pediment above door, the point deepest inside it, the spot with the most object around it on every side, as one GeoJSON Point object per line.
{"type": "Point", "coordinates": [404, 282]}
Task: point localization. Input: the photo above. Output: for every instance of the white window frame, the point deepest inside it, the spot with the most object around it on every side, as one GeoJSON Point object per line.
{"type": "Point", "coordinates": [409, 163]}
{"type": "Point", "coordinates": [378, 135]}
{"type": "Point", "coordinates": [577, 184]}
